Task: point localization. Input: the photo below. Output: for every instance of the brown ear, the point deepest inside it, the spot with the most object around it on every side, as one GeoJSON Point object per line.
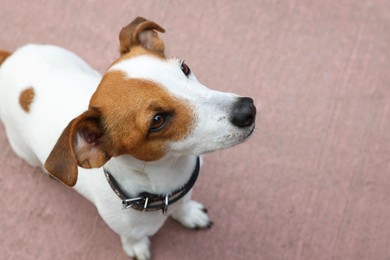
{"type": "Point", "coordinates": [80, 144]}
{"type": "Point", "coordinates": [143, 33]}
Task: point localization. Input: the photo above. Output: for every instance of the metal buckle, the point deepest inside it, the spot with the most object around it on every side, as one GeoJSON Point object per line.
{"type": "Point", "coordinates": [127, 202]}
{"type": "Point", "coordinates": [165, 206]}
{"type": "Point", "coordinates": [146, 203]}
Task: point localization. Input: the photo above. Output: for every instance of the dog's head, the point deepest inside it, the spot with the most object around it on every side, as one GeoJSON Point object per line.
{"type": "Point", "coordinates": [149, 106]}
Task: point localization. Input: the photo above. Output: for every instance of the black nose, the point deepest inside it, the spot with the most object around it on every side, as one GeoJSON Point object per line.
{"type": "Point", "coordinates": [244, 112]}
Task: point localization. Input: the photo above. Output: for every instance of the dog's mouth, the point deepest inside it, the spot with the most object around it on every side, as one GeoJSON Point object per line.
{"type": "Point", "coordinates": [251, 132]}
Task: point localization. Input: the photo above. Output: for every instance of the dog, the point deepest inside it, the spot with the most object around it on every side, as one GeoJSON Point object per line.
{"type": "Point", "coordinates": [129, 141]}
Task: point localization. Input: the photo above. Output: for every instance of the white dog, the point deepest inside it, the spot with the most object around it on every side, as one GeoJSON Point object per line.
{"type": "Point", "coordinates": [133, 151]}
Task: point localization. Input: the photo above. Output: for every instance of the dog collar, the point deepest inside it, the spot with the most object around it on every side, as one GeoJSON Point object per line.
{"type": "Point", "coordinates": [146, 201]}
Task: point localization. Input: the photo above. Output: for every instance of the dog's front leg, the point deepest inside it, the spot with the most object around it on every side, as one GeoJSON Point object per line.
{"type": "Point", "coordinates": [192, 214]}
{"type": "Point", "coordinates": [137, 249]}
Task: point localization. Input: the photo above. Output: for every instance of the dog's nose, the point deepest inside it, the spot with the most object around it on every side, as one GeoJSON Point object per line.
{"type": "Point", "coordinates": [244, 112]}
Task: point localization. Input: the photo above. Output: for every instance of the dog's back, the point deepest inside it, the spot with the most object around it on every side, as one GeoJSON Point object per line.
{"type": "Point", "coordinates": [42, 88]}
{"type": "Point", "coordinates": [4, 55]}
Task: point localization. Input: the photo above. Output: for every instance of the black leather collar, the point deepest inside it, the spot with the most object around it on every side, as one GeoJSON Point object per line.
{"type": "Point", "coordinates": [146, 201]}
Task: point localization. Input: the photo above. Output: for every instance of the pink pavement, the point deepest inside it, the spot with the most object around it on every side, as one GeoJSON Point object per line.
{"type": "Point", "coordinates": [312, 183]}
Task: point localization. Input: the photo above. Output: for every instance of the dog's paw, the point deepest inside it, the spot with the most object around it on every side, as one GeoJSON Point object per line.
{"type": "Point", "coordinates": [139, 250]}
{"type": "Point", "coordinates": [192, 215]}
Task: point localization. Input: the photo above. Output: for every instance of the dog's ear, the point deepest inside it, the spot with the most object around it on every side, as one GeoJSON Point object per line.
{"type": "Point", "coordinates": [80, 144]}
{"type": "Point", "coordinates": [143, 33]}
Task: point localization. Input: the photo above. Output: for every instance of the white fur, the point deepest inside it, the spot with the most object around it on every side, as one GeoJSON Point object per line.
{"type": "Point", "coordinates": [63, 85]}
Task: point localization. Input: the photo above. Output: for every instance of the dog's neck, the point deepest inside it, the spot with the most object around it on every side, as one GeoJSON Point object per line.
{"type": "Point", "coordinates": [160, 177]}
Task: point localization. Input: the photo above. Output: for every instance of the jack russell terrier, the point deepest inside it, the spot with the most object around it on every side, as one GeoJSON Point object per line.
{"type": "Point", "coordinates": [134, 150]}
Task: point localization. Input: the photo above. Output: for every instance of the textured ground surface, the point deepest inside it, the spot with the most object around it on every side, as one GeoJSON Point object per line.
{"type": "Point", "coordinates": [312, 183]}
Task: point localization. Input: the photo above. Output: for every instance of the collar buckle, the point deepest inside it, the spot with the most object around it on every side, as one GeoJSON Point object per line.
{"type": "Point", "coordinates": [165, 205]}
{"type": "Point", "coordinates": [126, 203]}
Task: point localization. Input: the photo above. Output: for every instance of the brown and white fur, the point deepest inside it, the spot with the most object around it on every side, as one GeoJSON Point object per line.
{"type": "Point", "coordinates": [146, 120]}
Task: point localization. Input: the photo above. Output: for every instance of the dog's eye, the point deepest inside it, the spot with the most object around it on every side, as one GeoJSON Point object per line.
{"type": "Point", "coordinates": [186, 70]}
{"type": "Point", "coordinates": [159, 121]}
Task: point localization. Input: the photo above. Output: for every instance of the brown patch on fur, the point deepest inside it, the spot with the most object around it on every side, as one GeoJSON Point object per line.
{"type": "Point", "coordinates": [128, 106]}
{"type": "Point", "coordinates": [26, 98]}
{"type": "Point", "coordinates": [4, 55]}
